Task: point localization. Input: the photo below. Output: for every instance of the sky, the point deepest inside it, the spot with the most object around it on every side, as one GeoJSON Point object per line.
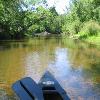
{"type": "Point", "coordinates": [59, 4]}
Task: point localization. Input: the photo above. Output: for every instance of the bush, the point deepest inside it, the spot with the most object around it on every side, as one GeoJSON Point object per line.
{"type": "Point", "coordinates": [90, 28]}
{"type": "Point", "coordinates": [35, 29]}
{"type": "Point", "coordinates": [72, 28]}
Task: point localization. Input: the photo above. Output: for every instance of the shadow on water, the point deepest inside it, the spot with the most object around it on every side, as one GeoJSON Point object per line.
{"type": "Point", "coordinates": [75, 64]}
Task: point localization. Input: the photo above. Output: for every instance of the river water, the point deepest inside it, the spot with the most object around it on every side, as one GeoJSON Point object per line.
{"type": "Point", "coordinates": [75, 64]}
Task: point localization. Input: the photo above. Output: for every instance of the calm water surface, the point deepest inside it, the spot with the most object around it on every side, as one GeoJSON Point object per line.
{"type": "Point", "coordinates": [76, 65]}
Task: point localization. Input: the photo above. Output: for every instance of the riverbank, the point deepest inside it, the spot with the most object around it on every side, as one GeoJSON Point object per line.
{"type": "Point", "coordinates": [95, 39]}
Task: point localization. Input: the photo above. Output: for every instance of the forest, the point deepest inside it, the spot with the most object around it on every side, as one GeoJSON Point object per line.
{"type": "Point", "coordinates": [18, 20]}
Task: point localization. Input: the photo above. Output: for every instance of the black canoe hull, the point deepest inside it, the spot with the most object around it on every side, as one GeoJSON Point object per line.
{"type": "Point", "coordinates": [51, 88]}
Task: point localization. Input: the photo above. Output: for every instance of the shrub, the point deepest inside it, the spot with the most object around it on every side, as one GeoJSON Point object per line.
{"type": "Point", "coordinates": [72, 28]}
{"type": "Point", "coordinates": [36, 29]}
{"type": "Point", "coordinates": [90, 28]}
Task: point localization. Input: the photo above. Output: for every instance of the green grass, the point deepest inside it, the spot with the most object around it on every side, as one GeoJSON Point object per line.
{"type": "Point", "coordinates": [94, 39]}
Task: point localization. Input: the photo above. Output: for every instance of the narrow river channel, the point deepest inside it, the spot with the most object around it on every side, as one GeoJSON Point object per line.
{"type": "Point", "coordinates": [75, 64]}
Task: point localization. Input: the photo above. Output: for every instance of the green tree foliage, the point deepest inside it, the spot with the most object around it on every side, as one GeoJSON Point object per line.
{"type": "Point", "coordinates": [24, 18]}
{"type": "Point", "coordinates": [17, 23]}
{"type": "Point", "coordinates": [11, 16]}
{"type": "Point", "coordinates": [78, 19]}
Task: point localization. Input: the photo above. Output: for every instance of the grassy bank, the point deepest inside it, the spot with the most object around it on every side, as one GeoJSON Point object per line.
{"type": "Point", "coordinates": [94, 39]}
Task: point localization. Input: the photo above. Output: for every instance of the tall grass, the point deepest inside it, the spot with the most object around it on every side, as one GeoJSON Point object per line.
{"type": "Point", "coordinates": [90, 28]}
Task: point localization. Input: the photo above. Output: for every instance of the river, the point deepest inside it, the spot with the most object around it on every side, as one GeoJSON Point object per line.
{"type": "Point", "coordinates": [75, 64]}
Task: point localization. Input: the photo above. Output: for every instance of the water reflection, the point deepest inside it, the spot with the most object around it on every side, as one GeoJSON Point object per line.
{"type": "Point", "coordinates": [76, 65]}
{"type": "Point", "coordinates": [61, 63]}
